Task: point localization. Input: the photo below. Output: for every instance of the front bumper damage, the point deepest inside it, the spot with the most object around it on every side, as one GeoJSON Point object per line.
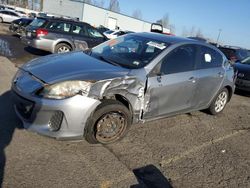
{"type": "Point", "coordinates": [67, 118]}
{"type": "Point", "coordinates": [38, 115]}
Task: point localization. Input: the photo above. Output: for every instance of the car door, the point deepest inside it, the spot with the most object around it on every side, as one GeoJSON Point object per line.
{"type": "Point", "coordinates": [210, 74]}
{"type": "Point", "coordinates": [13, 16]}
{"type": "Point", "coordinates": [96, 37]}
{"type": "Point", "coordinates": [80, 36]}
{"type": "Point", "coordinates": [170, 89]}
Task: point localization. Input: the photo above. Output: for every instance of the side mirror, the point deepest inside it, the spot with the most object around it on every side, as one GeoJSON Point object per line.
{"type": "Point", "coordinates": [156, 71]}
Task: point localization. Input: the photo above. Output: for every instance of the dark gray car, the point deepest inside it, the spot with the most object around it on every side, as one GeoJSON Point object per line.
{"type": "Point", "coordinates": [99, 93]}
{"type": "Point", "coordinates": [60, 35]}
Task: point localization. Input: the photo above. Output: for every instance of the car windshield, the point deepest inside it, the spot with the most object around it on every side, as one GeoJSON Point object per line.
{"type": "Point", "coordinates": [246, 61]}
{"type": "Point", "coordinates": [37, 22]}
{"type": "Point", "coordinates": [130, 51]}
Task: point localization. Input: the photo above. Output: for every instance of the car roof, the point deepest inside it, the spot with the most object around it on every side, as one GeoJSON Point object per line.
{"type": "Point", "coordinates": [6, 10]}
{"type": "Point", "coordinates": [52, 18]}
{"type": "Point", "coordinates": [166, 38]}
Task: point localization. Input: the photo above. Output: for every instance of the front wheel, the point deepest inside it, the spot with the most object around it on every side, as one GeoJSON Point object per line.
{"type": "Point", "coordinates": [109, 123]}
{"type": "Point", "coordinates": [219, 102]}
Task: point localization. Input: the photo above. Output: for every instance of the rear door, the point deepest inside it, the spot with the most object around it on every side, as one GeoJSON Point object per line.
{"type": "Point", "coordinates": [172, 90]}
{"type": "Point", "coordinates": [95, 36]}
{"type": "Point", "coordinates": [210, 74]}
{"type": "Point", "coordinates": [59, 30]}
{"type": "Point", "coordinates": [85, 36]}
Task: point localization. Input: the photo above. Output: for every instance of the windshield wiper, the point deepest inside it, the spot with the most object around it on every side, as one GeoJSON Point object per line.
{"type": "Point", "coordinates": [109, 61]}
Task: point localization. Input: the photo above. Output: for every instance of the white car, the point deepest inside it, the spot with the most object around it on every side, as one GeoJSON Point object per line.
{"type": "Point", "coordinates": [110, 34]}
{"type": "Point", "coordinates": [8, 16]}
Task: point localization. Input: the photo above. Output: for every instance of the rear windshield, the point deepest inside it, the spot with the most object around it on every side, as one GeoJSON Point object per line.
{"type": "Point", "coordinates": [37, 22]}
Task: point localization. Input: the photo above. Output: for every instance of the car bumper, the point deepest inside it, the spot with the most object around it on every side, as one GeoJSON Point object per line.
{"type": "Point", "coordinates": [242, 84]}
{"type": "Point", "coordinates": [41, 44]}
{"type": "Point", "coordinates": [41, 115]}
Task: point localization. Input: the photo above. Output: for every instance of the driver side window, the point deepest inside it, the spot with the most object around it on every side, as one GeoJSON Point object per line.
{"type": "Point", "coordinates": [181, 59]}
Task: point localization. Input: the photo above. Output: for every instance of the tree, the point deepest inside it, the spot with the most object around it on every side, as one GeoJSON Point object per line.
{"type": "Point", "coordinates": [164, 21]}
{"type": "Point", "coordinates": [98, 3]}
{"type": "Point", "coordinates": [137, 14]}
{"type": "Point", "coordinates": [199, 33]}
{"type": "Point", "coordinates": [88, 1]}
{"type": "Point", "coordinates": [114, 5]}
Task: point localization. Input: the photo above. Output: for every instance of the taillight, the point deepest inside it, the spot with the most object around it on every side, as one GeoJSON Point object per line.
{"type": "Point", "coordinates": [41, 32]}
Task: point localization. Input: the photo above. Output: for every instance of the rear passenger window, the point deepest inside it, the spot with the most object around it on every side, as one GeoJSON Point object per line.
{"type": "Point", "coordinates": [181, 59]}
{"type": "Point", "coordinates": [94, 33]}
{"type": "Point", "coordinates": [79, 30]}
{"type": "Point", "coordinates": [59, 26]}
{"type": "Point", "coordinates": [209, 58]}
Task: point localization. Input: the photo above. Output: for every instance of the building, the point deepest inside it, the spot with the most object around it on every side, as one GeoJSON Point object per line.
{"type": "Point", "coordinates": [96, 16]}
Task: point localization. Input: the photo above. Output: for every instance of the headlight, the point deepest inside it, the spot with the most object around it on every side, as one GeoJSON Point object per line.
{"type": "Point", "coordinates": [65, 89]}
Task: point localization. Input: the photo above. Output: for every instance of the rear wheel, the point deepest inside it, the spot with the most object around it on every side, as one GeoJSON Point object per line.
{"type": "Point", "coordinates": [62, 48]}
{"type": "Point", "coordinates": [219, 102]}
{"type": "Point", "coordinates": [109, 123]}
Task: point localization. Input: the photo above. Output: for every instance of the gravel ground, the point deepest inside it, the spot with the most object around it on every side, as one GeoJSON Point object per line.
{"type": "Point", "coordinates": [189, 150]}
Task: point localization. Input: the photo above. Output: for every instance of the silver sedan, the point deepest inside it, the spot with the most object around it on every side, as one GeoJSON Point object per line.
{"type": "Point", "coordinates": [97, 94]}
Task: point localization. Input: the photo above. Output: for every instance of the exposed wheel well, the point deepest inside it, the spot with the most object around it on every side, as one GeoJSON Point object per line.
{"type": "Point", "coordinates": [64, 42]}
{"type": "Point", "coordinates": [122, 100]}
{"type": "Point", "coordinates": [230, 92]}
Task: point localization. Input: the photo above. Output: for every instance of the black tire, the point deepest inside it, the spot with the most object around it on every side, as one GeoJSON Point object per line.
{"type": "Point", "coordinates": [106, 108]}
{"type": "Point", "coordinates": [1, 20]}
{"type": "Point", "coordinates": [212, 109]}
{"type": "Point", "coordinates": [61, 46]}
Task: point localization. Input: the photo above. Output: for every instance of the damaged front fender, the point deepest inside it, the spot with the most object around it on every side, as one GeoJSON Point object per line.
{"type": "Point", "coordinates": [130, 87]}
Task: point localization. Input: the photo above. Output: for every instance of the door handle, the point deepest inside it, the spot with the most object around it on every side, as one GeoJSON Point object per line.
{"type": "Point", "coordinates": [159, 78]}
{"type": "Point", "coordinates": [192, 79]}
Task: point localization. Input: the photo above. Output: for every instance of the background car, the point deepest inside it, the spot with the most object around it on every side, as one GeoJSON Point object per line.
{"type": "Point", "coordinates": [102, 29]}
{"type": "Point", "coordinates": [110, 34]}
{"type": "Point", "coordinates": [18, 26]}
{"type": "Point", "coordinates": [21, 13]}
{"type": "Point", "coordinates": [234, 53]}
{"type": "Point", "coordinates": [8, 16]}
{"type": "Point", "coordinates": [100, 93]}
{"type": "Point", "coordinates": [59, 35]}
{"type": "Point", "coordinates": [243, 74]}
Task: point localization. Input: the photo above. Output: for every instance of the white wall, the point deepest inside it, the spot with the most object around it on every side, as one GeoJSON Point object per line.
{"type": "Point", "coordinates": [63, 7]}
{"type": "Point", "coordinates": [94, 15]}
{"type": "Point", "coordinates": [98, 16]}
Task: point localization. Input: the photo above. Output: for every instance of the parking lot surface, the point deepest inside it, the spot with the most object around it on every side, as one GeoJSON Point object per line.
{"type": "Point", "coordinates": [189, 150]}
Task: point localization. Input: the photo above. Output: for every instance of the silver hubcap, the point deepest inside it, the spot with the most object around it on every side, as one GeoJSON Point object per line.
{"type": "Point", "coordinates": [63, 49]}
{"type": "Point", "coordinates": [221, 101]}
{"type": "Point", "coordinates": [110, 127]}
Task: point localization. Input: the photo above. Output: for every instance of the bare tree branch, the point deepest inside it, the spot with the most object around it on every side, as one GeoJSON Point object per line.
{"type": "Point", "coordinates": [114, 6]}
{"type": "Point", "coordinates": [137, 14]}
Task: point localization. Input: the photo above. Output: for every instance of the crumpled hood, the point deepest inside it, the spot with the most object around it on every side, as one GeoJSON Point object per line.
{"type": "Point", "coordinates": [72, 66]}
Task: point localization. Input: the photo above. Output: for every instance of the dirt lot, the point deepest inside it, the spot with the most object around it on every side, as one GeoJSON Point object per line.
{"type": "Point", "coordinates": [189, 150]}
